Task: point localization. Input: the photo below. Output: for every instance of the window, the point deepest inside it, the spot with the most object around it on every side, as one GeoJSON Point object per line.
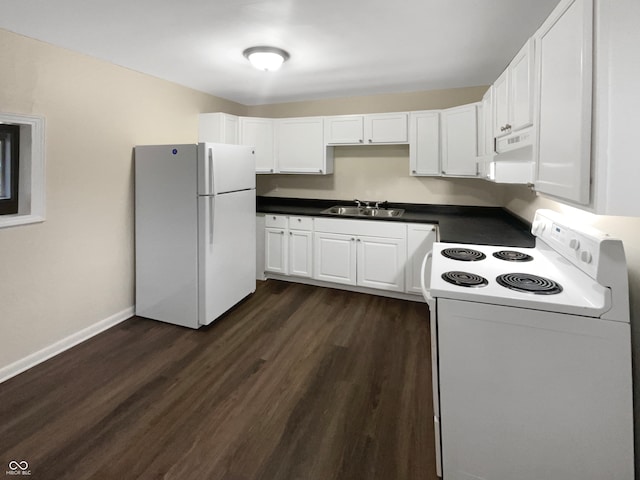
{"type": "Point", "coordinates": [9, 168]}
{"type": "Point", "coordinates": [22, 182]}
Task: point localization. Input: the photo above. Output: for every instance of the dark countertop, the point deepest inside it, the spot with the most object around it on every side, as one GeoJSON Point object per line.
{"type": "Point", "coordinates": [456, 224]}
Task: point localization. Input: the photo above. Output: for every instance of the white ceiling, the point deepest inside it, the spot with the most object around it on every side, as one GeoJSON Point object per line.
{"type": "Point", "coordinates": [338, 47]}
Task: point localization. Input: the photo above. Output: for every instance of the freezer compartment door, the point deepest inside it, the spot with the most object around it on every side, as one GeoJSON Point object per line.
{"type": "Point", "coordinates": [225, 168]}
{"type": "Point", "coordinates": [227, 252]}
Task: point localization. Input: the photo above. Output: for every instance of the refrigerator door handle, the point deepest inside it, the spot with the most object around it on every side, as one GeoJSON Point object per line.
{"type": "Point", "coordinates": [211, 215]}
{"type": "Point", "coordinates": [210, 173]}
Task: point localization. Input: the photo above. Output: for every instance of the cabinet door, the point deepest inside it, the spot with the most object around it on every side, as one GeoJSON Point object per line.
{"type": "Point", "coordinates": [218, 128]}
{"type": "Point", "coordinates": [424, 143]}
{"type": "Point", "coordinates": [386, 128]}
{"type": "Point", "coordinates": [521, 88]}
{"type": "Point", "coordinates": [501, 104]}
{"type": "Point", "coordinates": [258, 133]}
{"type": "Point", "coordinates": [334, 258]}
{"type": "Point", "coordinates": [260, 246]}
{"type": "Point", "coordinates": [381, 262]}
{"type": "Point", "coordinates": [563, 48]}
{"type": "Point", "coordinates": [300, 253]}
{"type": "Point", "coordinates": [488, 143]}
{"type": "Point", "coordinates": [459, 141]}
{"type": "Point", "coordinates": [300, 145]}
{"type": "Point", "coordinates": [347, 129]}
{"type": "Point", "coordinates": [275, 250]}
{"type": "Point", "coordinates": [420, 240]}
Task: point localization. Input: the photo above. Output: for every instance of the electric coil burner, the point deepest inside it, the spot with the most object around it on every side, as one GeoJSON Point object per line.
{"type": "Point", "coordinates": [463, 254]}
{"type": "Point", "coordinates": [529, 283]}
{"type": "Point", "coordinates": [465, 279]}
{"type": "Point", "coordinates": [512, 256]}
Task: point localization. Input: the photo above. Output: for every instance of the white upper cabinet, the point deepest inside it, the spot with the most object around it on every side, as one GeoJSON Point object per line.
{"type": "Point", "coordinates": [424, 142]}
{"type": "Point", "coordinates": [617, 108]}
{"type": "Point", "coordinates": [344, 129]}
{"type": "Point", "coordinates": [563, 102]}
{"type": "Point", "coordinates": [300, 146]}
{"type": "Point", "coordinates": [218, 128]}
{"type": "Point", "coordinates": [259, 133]}
{"type": "Point", "coordinates": [521, 81]}
{"type": "Point", "coordinates": [459, 141]}
{"type": "Point", "coordinates": [513, 93]}
{"type": "Point", "coordinates": [501, 104]}
{"type": "Point", "coordinates": [386, 128]}
{"type": "Point", "coordinates": [366, 129]}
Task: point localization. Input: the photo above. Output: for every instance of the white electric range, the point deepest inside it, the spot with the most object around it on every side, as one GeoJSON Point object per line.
{"type": "Point", "coordinates": [532, 356]}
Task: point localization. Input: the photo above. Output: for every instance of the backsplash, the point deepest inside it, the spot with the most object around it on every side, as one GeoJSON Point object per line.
{"type": "Point", "coordinates": [380, 173]}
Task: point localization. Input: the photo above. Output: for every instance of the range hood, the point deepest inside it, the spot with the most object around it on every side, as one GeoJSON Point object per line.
{"type": "Point", "coordinates": [513, 161]}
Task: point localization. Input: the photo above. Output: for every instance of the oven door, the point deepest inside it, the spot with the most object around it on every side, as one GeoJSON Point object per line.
{"type": "Point", "coordinates": [425, 275]}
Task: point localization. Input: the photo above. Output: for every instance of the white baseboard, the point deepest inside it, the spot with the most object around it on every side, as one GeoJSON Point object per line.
{"type": "Point", "coordinates": [60, 346]}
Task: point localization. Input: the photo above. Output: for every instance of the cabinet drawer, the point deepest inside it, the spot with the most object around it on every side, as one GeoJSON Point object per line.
{"type": "Point", "coordinates": [301, 223]}
{"type": "Point", "coordinates": [275, 221]}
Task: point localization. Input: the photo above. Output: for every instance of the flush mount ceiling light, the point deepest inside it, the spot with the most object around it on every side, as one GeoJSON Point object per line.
{"type": "Point", "coordinates": [266, 58]}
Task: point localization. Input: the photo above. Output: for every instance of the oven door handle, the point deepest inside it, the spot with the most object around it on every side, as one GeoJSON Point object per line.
{"type": "Point", "coordinates": [423, 284]}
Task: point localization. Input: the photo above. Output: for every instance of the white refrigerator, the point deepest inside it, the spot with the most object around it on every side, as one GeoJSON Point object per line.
{"type": "Point", "coordinates": [195, 234]}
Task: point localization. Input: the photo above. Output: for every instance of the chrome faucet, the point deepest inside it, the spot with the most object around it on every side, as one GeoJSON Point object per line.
{"type": "Point", "coordinates": [359, 203]}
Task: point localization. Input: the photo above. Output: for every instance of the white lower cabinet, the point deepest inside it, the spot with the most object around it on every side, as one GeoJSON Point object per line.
{"type": "Point", "coordinates": [335, 258]}
{"type": "Point", "coordinates": [288, 245]}
{"type": "Point", "coordinates": [276, 243]}
{"type": "Point", "coordinates": [420, 238]}
{"type": "Point", "coordinates": [300, 253]}
{"type": "Point", "coordinates": [380, 262]}
{"type": "Point", "coordinates": [361, 253]}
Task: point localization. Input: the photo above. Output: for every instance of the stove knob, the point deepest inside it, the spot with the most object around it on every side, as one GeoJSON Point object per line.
{"type": "Point", "coordinates": [538, 228]}
{"type": "Point", "coordinates": [574, 244]}
{"type": "Point", "coordinates": [586, 257]}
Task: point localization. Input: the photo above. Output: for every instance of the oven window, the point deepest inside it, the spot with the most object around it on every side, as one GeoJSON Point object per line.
{"type": "Point", "coordinates": [9, 168]}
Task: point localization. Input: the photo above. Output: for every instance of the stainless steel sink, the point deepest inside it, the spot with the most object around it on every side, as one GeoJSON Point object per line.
{"type": "Point", "coordinates": [340, 210]}
{"type": "Point", "coordinates": [383, 212]}
{"type": "Point", "coordinates": [363, 211]}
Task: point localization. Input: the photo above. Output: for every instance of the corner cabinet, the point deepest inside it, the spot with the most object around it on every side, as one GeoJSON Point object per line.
{"type": "Point", "coordinates": [563, 47]}
{"type": "Point", "coordinates": [300, 146]}
{"type": "Point", "coordinates": [460, 141]}
{"type": "Point", "coordinates": [383, 128]}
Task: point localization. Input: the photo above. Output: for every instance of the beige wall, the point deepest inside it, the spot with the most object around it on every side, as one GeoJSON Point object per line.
{"type": "Point", "coordinates": [397, 102]}
{"type": "Point", "coordinates": [381, 172]}
{"type": "Point", "coordinates": [76, 268]}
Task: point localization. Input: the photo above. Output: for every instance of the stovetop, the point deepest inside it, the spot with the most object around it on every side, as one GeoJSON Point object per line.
{"type": "Point", "coordinates": [498, 275]}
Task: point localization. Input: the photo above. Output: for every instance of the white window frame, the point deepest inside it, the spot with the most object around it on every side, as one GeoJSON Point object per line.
{"type": "Point", "coordinates": [31, 192]}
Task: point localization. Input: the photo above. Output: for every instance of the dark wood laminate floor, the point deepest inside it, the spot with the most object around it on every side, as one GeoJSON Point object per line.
{"type": "Point", "coordinates": [297, 382]}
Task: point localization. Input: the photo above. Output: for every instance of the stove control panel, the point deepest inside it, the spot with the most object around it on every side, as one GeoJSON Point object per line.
{"type": "Point", "coordinates": [578, 244]}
